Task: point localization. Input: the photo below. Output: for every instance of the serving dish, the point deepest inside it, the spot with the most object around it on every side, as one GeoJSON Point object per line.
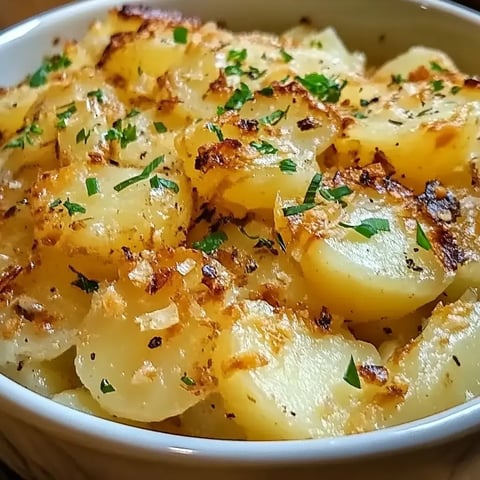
{"type": "Point", "coordinates": [43, 440]}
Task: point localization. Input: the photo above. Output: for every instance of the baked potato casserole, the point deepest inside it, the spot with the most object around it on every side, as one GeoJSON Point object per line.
{"type": "Point", "coordinates": [240, 235]}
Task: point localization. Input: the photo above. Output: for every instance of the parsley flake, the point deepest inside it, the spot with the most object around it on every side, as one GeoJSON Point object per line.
{"type": "Point", "coordinates": [287, 165]}
{"type": "Point", "coordinates": [324, 88]}
{"type": "Point", "coordinates": [266, 92]}
{"type": "Point", "coordinates": [147, 171]}
{"type": "Point", "coordinates": [106, 386]}
{"type": "Point", "coordinates": [237, 56]}
{"type": "Point", "coordinates": [351, 374]}
{"type": "Point", "coordinates": [73, 208]}
{"type": "Point", "coordinates": [210, 243]}
{"type": "Point", "coordinates": [188, 381]}
{"type": "Point", "coordinates": [25, 137]}
{"type": "Point", "coordinates": [98, 94]}
{"type": "Point", "coordinates": [133, 113]}
{"type": "Point", "coordinates": [53, 64]}
{"type": "Point", "coordinates": [396, 79]}
{"type": "Point", "coordinates": [286, 57]}
{"type": "Point", "coordinates": [160, 127]}
{"type": "Point", "coordinates": [216, 130]}
{"type": "Point", "coordinates": [264, 147]}
{"type": "Point", "coordinates": [124, 135]}
{"type": "Point", "coordinates": [437, 85]}
{"type": "Point", "coordinates": [92, 186]}
{"type": "Point", "coordinates": [83, 136]}
{"type": "Point", "coordinates": [369, 226]}
{"type": "Point", "coordinates": [336, 194]}
{"type": "Point", "coordinates": [157, 182]}
{"type": "Point", "coordinates": [297, 209]}
{"type": "Point", "coordinates": [64, 116]}
{"type": "Point", "coordinates": [436, 67]}
{"type": "Point", "coordinates": [455, 89]}
{"type": "Point", "coordinates": [312, 188]}
{"type": "Point", "coordinates": [83, 283]}
{"type": "Point", "coordinates": [240, 96]}
{"type": "Point", "coordinates": [422, 239]}
{"type": "Point", "coordinates": [316, 44]}
{"type": "Point", "coordinates": [274, 117]}
{"type": "Point", "coordinates": [180, 35]}
{"type": "Point", "coordinates": [55, 203]}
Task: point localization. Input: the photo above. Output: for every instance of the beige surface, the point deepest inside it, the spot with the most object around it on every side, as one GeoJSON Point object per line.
{"type": "Point", "coordinates": [12, 11]}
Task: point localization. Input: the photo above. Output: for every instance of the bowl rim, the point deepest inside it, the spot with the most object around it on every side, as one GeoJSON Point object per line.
{"type": "Point", "coordinates": [81, 428]}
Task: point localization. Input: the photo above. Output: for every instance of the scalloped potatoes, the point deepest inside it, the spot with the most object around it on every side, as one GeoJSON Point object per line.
{"type": "Point", "coordinates": [244, 236]}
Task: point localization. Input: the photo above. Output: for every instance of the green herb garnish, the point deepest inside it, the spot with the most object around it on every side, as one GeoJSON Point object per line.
{"type": "Point", "coordinates": [55, 203]}
{"type": "Point", "coordinates": [437, 85]}
{"type": "Point", "coordinates": [82, 136]}
{"type": "Point", "coordinates": [92, 186]}
{"type": "Point", "coordinates": [133, 113]}
{"type": "Point", "coordinates": [210, 243]}
{"type": "Point", "coordinates": [180, 35]}
{"type": "Point", "coordinates": [351, 374]}
{"type": "Point", "coordinates": [53, 64]}
{"type": "Point", "coordinates": [396, 79]}
{"type": "Point", "coordinates": [233, 70]}
{"type": "Point", "coordinates": [98, 94]}
{"type": "Point", "coordinates": [297, 209]}
{"type": "Point", "coordinates": [240, 96]}
{"type": "Point", "coordinates": [188, 381]}
{"type": "Point", "coordinates": [287, 165]}
{"type": "Point", "coordinates": [316, 44]}
{"type": "Point", "coordinates": [157, 182]}
{"type": "Point", "coordinates": [324, 88]}
{"type": "Point", "coordinates": [312, 188]}
{"type": "Point", "coordinates": [266, 92]}
{"type": "Point", "coordinates": [124, 135]}
{"type": "Point", "coordinates": [216, 130]}
{"type": "Point", "coordinates": [106, 386]}
{"type": "Point", "coordinates": [455, 89]}
{"type": "Point", "coordinates": [147, 171]}
{"type": "Point", "coordinates": [360, 115]}
{"type": "Point", "coordinates": [369, 226]}
{"type": "Point", "coordinates": [160, 127]}
{"type": "Point", "coordinates": [64, 116]}
{"type": "Point", "coordinates": [264, 147]}
{"type": "Point", "coordinates": [286, 57]}
{"type": "Point", "coordinates": [73, 208]}
{"type": "Point", "coordinates": [422, 239]}
{"type": "Point", "coordinates": [25, 137]}
{"type": "Point", "coordinates": [436, 67]}
{"type": "Point", "coordinates": [237, 56]}
{"type": "Point", "coordinates": [83, 283]}
{"type": "Point", "coordinates": [274, 117]}
{"type": "Point", "coordinates": [336, 194]}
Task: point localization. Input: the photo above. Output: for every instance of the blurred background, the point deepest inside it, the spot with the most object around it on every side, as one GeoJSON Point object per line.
{"type": "Point", "coordinates": [12, 11]}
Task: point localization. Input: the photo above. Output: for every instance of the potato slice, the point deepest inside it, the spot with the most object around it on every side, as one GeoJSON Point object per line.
{"type": "Point", "coordinates": [282, 381]}
{"type": "Point", "coordinates": [165, 369]}
{"type": "Point", "coordinates": [364, 279]}
{"type": "Point", "coordinates": [136, 217]}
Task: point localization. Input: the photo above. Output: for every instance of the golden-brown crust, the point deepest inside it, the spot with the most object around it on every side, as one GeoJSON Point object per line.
{"type": "Point", "coordinates": [229, 154]}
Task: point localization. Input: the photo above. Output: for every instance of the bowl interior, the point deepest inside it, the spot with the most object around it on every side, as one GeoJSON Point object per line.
{"type": "Point", "coordinates": [382, 29]}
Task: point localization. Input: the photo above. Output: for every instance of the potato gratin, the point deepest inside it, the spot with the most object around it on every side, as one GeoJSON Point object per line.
{"type": "Point", "coordinates": [243, 236]}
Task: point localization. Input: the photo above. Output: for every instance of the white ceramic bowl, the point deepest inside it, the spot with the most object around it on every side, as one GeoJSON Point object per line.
{"type": "Point", "coordinates": [43, 440]}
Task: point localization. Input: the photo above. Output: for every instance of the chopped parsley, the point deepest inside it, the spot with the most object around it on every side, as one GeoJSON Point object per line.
{"type": "Point", "coordinates": [436, 67]}
{"type": "Point", "coordinates": [336, 194]}
{"type": "Point", "coordinates": [455, 89]}
{"type": "Point", "coordinates": [264, 147]}
{"type": "Point", "coordinates": [287, 165]}
{"type": "Point", "coordinates": [55, 203]}
{"type": "Point", "coordinates": [316, 44]}
{"type": "Point", "coordinates": [98, 94]}
{"type": "Point", "coordinates": [83, 136]}
{"type": "Point", "coordinates": [396, 79]}
{"type": "Point", "coordinates": [180, 35]}
{"type": "Point", "coordinates": [237, 56]}
{"type": "Point", "coordinates": [133, 113]}
{"type": "Point", "coordinates": [92, 186]}
{"type": "Point", "coordinates": [157, 182]}
{"type": "Point", "coordinates": [25, 137]}
{"type": "Point", "coordinates": [210, 243]}
{"type": "Point", "coordinates": [124, 135]}
{"type": "Point", "coordinates": [360, 115]}
{"type": "Point", "coordinates": [312, 188]}
{"type": "Point", "coordinates": [286, 57]}
{"type": "Point", "coordinates": [369, 226]}
{"type": "Point", "coordinates": [239, 97]}
{"type": "Point", "coordinates": [266, 92]}
{"type": "Point", "coordinates": [53, 64]}
{"type": "Point", "coordinates": [106, 386]}
{"type": "Point", "coordinates": [422, 239]}
{"type": "Point", "coordinates": [64, 116]}
{"type": "Point", "coordinates": [160, 127]}
{"type": "Point", "coordinates": [147, 171]}
{"type": "Point", "coordinates": [233, 70]}
{"type": "Point", "coordinates": [216, 130]}
{"type": "Point", "coordinates": [83, 283]}
{"type": "Point", "coordinates": [274, 117]}
{"type": "Point", "coordinates": [351, 374]}
{"type": "Point", "coordinates": [324, 88]}
{"type": "Point", "coordinates": [73, 208]}
{"type": "Point", "coordinates": [188, 381]}
{"type": "Point", "coordinates": [437, 85]}
{"type": "Point", "coordinates": [297, 209]}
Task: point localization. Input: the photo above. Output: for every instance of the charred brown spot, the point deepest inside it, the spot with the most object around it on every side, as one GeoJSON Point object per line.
{"type": "Point", "coordinates": [145, 12]}
{"type": "Point", "coordinates": [472, 82]}
{"type": "Point", "coordinates": [117, 41]}
{"type": "Point", "coordinates": [308, 123]}
{"type": "Point", "coordinates": [440, 203]}
{"type": "Point", "coordinates": [380, 157]}
{"type": "Point", "coordinates": [219, 85]}
{"type": "Point", "coordinates": [324, 321]}
{"type": "Point", "coordinates": [212, 280]}
{"type": "Point", "coordinates": [159, 279]}
{"type": "Point", "coordinates": [375, 374]}
{"type": "Point", "coordinates": [8, 275]}
{"type": "Point", "coordinates": [419, 75]}
{"type": "Point", "coordinates": [447, 248]}
{"type": "Point", "coordinates": [223, 154]}
{"type": "Point", "coordinates": [10, 212]}
{"type": "Point", "coordinates": [250, 126]}
{"type": "Point", "coordinates": [128, 254]}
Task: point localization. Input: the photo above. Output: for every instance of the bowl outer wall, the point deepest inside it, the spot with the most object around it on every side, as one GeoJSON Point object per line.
{"type": "Point", "coordinates": [379, 27]}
